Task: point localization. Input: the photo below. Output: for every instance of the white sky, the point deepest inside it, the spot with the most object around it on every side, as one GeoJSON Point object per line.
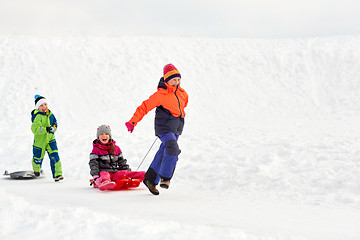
{"type": "Point", "coordinates": [196, 18]}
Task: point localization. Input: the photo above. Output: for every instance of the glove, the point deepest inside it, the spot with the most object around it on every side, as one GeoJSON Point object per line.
{"type": "Point", "coordinates": [130, 127]}
{"type": "Point", "coordinates": [50, 130]}
{"type": "Point", "coordinates": [96, 179]}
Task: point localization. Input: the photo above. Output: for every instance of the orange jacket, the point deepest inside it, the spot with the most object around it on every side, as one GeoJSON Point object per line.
{"type": "Point", "coordinates": [170, 102]}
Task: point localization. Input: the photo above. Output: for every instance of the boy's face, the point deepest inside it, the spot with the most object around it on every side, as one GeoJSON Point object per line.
{"type": "Point", "coordinates": [43, 107]}
{"type": "Point", "coordinates": [104, 137]}
{"type": "Point", "coordinates": [174, 81]}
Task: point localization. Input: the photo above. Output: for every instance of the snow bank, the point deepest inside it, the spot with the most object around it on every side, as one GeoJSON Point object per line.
{"type": "Point", "coordinates": [267, 119]}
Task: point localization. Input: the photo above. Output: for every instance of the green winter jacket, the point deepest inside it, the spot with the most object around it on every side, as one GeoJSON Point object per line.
{"type": "Point", "coordinates": [41, 120]}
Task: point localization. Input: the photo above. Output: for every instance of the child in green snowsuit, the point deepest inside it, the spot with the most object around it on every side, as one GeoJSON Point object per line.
{"type": "Point", "coordinates": [43, 126]}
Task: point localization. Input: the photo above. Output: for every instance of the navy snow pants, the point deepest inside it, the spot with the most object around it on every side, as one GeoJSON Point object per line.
{"type": "Point", "coordinates": [164, 163]}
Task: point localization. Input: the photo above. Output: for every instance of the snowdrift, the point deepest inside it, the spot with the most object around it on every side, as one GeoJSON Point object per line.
{"type": "Point", "coordinates": [268, 120]}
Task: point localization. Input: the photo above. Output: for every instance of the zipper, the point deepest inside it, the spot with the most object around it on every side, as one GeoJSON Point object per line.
{"type": "Point", "coordinates": [178, 100]}
{"type": "Point", "coordinates": [116, 164]}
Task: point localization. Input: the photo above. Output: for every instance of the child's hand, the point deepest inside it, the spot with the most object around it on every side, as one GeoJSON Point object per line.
{"type": "Point", "coordinates": [50, 130]}
{"type": "Point", "coordinates": [129, 126]}
{"type": "Point", "coordinates": [96, 179]}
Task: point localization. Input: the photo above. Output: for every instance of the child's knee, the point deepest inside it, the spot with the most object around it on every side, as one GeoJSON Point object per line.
{"type": "Point", "coordinates": [172, 148]}
{"type": "Point", "coordinates": [104, 175]}
{"type": "Point", "coordinates": [53, 145]}
{"type": "Point", "coordinates": [37, 152]}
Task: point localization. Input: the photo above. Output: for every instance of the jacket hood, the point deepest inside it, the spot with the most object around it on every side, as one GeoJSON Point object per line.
{"type": "Point", "coordinates": [163, 85]}
{"type": "Point", "coordinates": [36, 112]}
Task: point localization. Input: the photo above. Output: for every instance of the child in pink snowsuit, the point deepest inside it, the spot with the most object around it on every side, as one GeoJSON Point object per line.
{"type": "Point", "coordinates": [107, 164]}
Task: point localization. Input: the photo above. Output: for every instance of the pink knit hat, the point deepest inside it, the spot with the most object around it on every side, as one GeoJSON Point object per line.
{"type": "Point", "coordinates": [170, 72]}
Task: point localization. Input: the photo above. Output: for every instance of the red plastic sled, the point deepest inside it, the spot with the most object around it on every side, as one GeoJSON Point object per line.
{"type": "Point", "coordinates": [125, 182]}
{"type": "Point", "coordinates": [122, 183]}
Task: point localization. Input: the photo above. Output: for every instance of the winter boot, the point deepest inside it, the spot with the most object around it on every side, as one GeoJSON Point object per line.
{"type": "Point", "coordinates": [106, 185]}
{"type": "Point", "coordinates": [151, 187]}
{"type": "Point", "coordinates": [58, 178]}
{"type": "Point", "coordinates": [37, 174]}
{"type": "Point", "coordinates": [165, 183]}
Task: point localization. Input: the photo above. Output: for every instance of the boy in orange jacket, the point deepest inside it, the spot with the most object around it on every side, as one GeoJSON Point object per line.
{"type": "Point", "coordinates": [170, 101]}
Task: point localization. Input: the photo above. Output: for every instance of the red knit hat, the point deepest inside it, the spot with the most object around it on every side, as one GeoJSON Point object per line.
{"type": "Point", "coordinates": [170, 72]}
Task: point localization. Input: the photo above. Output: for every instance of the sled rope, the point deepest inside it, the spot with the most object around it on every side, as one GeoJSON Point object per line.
{"type": "Point", "coordinates": [143, 158]}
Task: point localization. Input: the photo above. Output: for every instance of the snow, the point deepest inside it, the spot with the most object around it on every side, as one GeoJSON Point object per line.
{"type": "Point", "coordinates": [269, 149]}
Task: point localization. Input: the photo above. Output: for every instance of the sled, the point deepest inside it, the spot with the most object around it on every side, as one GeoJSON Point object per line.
{"type": "Point", "coordinates": [21, 175]}
{"type": "Point", "coordinates": [125, 182]}
{"type": "Point", "coordinates": [121, 184]}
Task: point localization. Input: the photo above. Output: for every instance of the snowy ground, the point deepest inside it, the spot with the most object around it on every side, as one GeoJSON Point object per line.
{"type": "Point", "coordinates": [270, 148]}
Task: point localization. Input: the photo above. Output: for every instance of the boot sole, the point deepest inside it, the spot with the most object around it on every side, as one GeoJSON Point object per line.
{"type": "Point", "coordinates": [145, 183]}
{"type": "Point", "coordinates": [58, 178]}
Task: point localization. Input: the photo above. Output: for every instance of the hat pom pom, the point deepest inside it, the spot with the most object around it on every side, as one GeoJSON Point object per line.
{"type": "Point", "coordinates": [37, 96]}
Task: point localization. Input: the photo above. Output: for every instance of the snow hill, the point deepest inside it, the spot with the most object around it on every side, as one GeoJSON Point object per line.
{"type": "Point", "coordinates": [270, 148]}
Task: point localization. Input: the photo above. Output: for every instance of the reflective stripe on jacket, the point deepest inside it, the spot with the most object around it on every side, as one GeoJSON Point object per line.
{"type": "Point", "coordinates": [41, 120]}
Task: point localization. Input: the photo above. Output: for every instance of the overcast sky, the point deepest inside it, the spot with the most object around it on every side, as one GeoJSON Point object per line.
{"type": "Point", "coordinates": [194, 18]}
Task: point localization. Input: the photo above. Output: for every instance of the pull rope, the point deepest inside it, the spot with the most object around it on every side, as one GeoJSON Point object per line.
{"type": "Point", "coordinates": [144, 158]}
